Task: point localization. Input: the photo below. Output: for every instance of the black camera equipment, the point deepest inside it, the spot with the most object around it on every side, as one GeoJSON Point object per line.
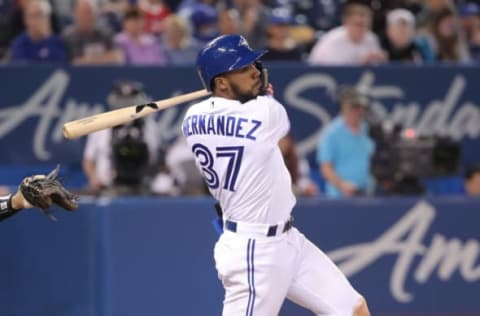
{"type": "Point", "coordinates": [130, 153]}
{"type": "Point", "coordinates": [402, 158]}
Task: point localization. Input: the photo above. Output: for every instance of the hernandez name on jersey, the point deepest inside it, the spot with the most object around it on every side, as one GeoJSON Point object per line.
{"type": "Point", "coordinates": [222, 125]}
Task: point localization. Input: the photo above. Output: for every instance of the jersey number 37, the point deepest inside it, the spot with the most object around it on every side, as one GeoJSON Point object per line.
{"type": "Point", "coordinates": [206, 160]}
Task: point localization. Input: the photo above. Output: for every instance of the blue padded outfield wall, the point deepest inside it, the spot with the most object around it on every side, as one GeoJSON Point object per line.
{"type": "Point", "coordinates": [153, 256]}
{"type": "Point", "coordinates": [36, 101]}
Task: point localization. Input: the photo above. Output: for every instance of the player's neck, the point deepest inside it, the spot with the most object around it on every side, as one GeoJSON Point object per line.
{"type": "Point", "coordinates": [224, 94]}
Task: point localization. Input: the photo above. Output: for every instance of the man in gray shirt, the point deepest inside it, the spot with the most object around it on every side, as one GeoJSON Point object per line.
{"type": "Point", "coordinates": [86, 43]}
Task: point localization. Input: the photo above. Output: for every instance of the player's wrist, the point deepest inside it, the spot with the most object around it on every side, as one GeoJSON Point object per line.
{"type": "Point", "coordinates": [16, 201]}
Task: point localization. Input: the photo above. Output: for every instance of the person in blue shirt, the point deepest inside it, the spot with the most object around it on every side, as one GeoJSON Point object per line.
{"type": "Point", "coordinates": [472, 181]}
{"type": "Point", "coordinates": [37, 43]}
{"type": "Point", "coordinates": [345, 148]}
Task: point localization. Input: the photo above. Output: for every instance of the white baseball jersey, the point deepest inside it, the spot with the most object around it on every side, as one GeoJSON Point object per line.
{"type": "Point", "coordinates": [236, 147]}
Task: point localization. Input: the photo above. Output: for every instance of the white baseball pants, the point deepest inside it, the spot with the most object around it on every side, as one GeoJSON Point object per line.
{"type": "Point", "coordinates": [259, 272]}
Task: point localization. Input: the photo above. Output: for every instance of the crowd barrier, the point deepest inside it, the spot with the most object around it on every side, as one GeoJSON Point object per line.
{"type": "Point", "coordinates": [153, 256]}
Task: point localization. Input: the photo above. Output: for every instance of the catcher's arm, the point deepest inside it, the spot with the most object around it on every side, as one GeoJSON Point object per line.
{"type": "Point", "coordinates": [39, 191]}
{"type": "Point", "coordinates": [11, 204]}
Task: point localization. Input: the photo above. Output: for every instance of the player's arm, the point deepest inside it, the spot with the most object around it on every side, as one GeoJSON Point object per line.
{"type": "Point", "coordinates": [10, 205]}
{"type": "Point", "coordinates": [40, 191]}
{"type": "Point", "coordinates": [278, 121]}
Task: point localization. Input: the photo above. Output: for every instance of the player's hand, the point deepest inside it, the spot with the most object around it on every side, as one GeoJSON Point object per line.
{"type": "Point", "coordinates": [42, 191]}
{"type": "Point", "coordinates": [270, 89]}
{"type": "Point", "coordinates": [348, 189]}
{"type": "Point", "coordinates": [19, 202]}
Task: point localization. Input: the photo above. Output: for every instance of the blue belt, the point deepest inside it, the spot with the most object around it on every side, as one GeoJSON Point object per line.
{"type": "Point", "coordinates": [272, 230]}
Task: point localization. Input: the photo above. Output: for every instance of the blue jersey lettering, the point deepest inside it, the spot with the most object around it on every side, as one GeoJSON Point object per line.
{"type": "Point", "coordinates": [231, 126]}
{"type": "Point", "coordinates": [201, 124]}
{"type": "Point", "coordinates": [241, 120]}
{"type": "Point", "coordinates": [256, 125]}
{"type": "Point", "coordinates": [186, 127]}
{"type": "Point", "coordinates": [194, 124]}
{"type": "Point", "coordinates": [210, 125]}
{"type": "Point", "coordinates": [221, 125]}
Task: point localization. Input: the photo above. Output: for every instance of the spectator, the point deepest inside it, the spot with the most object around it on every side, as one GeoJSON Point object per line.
{"type": "Point", "coordinates": [297, 167]}
{"type": "Point", "coordinates": [320, 15]}
{"type": "Point", "coordinates": [399, 40]}
{"type": "Point", "coordinates": [280, 44]}
{"type": "Point", "coordinates": [228, 21]}
{"type": "Point", "coordinates": [177, 42]}
{"type": "Point", "coordinates": [203, 19]}
{"type": "Point", "coordinates": [380, 10]}
{"type": "Point", "coordinates": [472, 181]}
{"type": "Point", "coordinates": [17, 18]}
{"type": "Point", "coordinates": [115, 160]}
{"type": "Point", "coordinates": [188, 5]}
{"type": "Point", "coordinates": [138, 48]}
{"type": "Point", "coordinates": [345, 148]}
{"type": "Point", "coordinates": [155, 12]}
{"type": "Point", "coordinates": [111, 12]}
{"type": "Point", "coordinates": [173, 5]}
{"type": "Point", "coordinates": [351, 43]}
{"type": "Point", "coordinates": [86, 43]}
{"type": "Point", "coordinates": [37, 43]}
{"type": "Point", "coordinates": [444, 38]}
{"type": "Point", "coordinates": [6, 29]}
{"type": "Point", "coordinates": [469, 14]}
{"type": "Point", "coordinates": [470, 20]}
{"type": "Point", "coordinates": [437, 5]}
{"type": "Point", "coordinates": [254, 17]}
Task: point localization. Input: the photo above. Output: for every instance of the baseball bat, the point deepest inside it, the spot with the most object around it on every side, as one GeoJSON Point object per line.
{"type": "Point", "coordinates": [90, 124]}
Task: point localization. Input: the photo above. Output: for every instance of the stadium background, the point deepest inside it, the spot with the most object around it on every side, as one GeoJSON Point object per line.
{"type": "Point", "coordinates": [152, 255]}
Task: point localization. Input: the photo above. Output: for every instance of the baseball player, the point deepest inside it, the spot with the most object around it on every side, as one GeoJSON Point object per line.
{"type": "Point", "coordinates": [38, 191]}
{"type": "Point", "coordinates": [260, 258]}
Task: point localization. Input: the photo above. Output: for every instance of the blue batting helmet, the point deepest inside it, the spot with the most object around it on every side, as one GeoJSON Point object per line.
{"type": "Point", "coordinates": [223, 54]}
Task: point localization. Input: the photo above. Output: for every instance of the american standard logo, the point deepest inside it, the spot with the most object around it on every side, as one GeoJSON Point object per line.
{"type": "Point", "coordinates": [406, 239]}
{"type": "Point", "coordinates": [45, 104]}
{"type": "Point", "coordinates": [445, 116]}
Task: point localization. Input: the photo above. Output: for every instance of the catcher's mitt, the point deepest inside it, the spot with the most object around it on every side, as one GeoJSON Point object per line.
{"type": "Point", "coordinates": [43, 191]}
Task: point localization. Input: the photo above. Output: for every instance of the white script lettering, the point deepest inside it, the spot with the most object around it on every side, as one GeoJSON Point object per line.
{"type": "Point", "coordinates": [405, 239]}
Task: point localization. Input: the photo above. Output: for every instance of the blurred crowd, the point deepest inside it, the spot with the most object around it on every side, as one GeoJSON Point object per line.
{"type": "Point", "coordinates": [170, 32]}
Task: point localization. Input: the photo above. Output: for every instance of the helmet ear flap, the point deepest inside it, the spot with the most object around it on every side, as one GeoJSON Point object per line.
{"type": "Point", "coordinates": [206, 85]}
{"type": "Point", "coordinates": [263, 76]}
